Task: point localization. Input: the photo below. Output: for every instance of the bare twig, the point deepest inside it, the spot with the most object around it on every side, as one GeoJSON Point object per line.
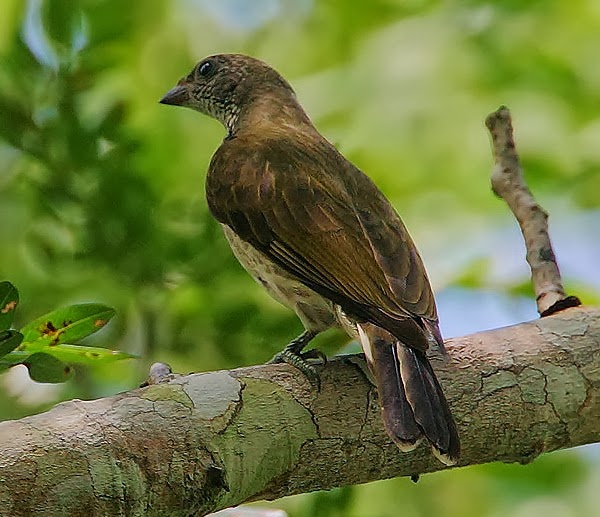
{"type": "Point", "coordinates": [509, 184]}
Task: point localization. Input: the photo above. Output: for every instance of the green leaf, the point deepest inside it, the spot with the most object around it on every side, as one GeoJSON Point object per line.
{"type": "Point", "coordinates": [9, 299]}
{"type": "Point", "coordinates": [9, 340]}
{"type": "Point", "coordinates": [68, 324]}
{"type": "Point", "coordinates": [87, 355]}
{"type": "Point", "coordinates": [13, 358]}
{"type": "Point", "coordinates": [45, 368]}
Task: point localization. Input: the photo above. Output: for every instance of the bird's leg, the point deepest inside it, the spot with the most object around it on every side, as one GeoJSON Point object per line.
{"type": "Point", "coordinates": [292, 354]}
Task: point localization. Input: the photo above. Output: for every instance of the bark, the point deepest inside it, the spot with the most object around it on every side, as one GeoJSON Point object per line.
{"type": "Point", "coordinates": [203, 442]}
{"type": "Point", "coordinates": [508, 183]}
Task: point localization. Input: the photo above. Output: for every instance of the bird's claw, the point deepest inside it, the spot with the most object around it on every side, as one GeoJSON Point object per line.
{"type": "Point", "coordinates": [300, 361]}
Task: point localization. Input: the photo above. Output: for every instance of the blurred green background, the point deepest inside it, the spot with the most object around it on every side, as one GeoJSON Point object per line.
{"type": "Point", "coordinates": [101, 188]}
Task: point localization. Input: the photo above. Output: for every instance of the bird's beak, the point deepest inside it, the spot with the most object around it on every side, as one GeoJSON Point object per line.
{"type": "Point", "coordinates": [176, 96]}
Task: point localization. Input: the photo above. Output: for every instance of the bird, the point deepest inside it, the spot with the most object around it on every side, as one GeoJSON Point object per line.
{"type": "Point", "coordinates": [322, 239]}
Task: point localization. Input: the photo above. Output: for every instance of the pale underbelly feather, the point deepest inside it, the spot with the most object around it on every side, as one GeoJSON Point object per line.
{"type": "Point", "coordinates": [315, 312]}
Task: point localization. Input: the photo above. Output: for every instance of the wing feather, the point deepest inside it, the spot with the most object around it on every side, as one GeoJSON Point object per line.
{"type": "Point", "coordinates": [312, 212]}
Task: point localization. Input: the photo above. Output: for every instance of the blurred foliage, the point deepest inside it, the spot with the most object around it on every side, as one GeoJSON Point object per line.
{"type": "Point", "coordinates": [554, 486]}
{"type": "Point", "coordinates": [101, 188]}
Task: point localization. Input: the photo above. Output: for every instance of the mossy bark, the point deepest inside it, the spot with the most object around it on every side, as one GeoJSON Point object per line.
{"type": "Point", "coordinates": [207, 441]}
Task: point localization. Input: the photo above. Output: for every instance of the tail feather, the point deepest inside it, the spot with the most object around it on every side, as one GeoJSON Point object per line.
{"type": "Point", "coordinates": [427, 401]}
{"type": "Point", "coordinates": [413, 403]}
{"type": "Point", "coordinates": [397, 414]}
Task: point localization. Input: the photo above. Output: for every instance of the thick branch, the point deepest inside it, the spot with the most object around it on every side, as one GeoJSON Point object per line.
{"type": "Point", "coordinates": [207, 441]}
{"type": "Point", "coordinates": [508, 183]}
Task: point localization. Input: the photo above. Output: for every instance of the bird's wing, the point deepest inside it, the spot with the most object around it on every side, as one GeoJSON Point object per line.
{"type": "Point", "coordinates": [320, 218]}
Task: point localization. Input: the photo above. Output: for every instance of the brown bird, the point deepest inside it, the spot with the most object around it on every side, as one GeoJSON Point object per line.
{"type": "Point", "coordinates": [318, 234]}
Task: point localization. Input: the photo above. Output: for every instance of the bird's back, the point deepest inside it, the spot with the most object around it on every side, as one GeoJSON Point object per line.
{"type": "Point", "coordinates": [294, 197]}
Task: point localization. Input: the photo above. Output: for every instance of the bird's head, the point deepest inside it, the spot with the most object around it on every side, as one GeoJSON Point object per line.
{"type": "Point", "coordinates": [224, 85]}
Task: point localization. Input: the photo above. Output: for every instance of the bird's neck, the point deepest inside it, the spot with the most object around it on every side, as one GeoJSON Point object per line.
{"type": "Point", "coordinates": [270, 112]}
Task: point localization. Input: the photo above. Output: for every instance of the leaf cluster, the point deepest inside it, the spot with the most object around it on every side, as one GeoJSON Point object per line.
{"type": "Point", "coordinates": [47, 345]}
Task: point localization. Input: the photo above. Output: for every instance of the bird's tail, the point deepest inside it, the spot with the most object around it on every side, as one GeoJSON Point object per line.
{"type": "Point", "coordinates": [412, 400]}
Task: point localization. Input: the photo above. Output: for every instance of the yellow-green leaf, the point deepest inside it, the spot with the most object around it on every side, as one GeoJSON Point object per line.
{"type": "Point", "coordinates": [86, 354]}
{"type": "Point", "coordinates": [66, 325]}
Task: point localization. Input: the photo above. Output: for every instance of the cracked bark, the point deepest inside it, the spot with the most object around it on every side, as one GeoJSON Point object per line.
{"type": "Point", "coordinates": [204, 442]}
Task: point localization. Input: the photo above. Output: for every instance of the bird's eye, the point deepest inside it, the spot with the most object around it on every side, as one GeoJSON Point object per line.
{"type": "Point", "coordinates": [205, 69]}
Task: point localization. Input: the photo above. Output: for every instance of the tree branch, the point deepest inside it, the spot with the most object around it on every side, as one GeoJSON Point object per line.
{"type": "Point", "coordinates": [204, 442]}
{"type": "Point", "coordinates": [508, 183]}
{"type": "Point", "coordinates": [196, 444]}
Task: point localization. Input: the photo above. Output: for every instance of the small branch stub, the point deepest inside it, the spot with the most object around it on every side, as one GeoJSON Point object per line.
{"type": "Point", "coordinates": [509, 184]}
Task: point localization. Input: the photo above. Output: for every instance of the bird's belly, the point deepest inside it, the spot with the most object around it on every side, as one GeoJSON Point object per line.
{"type": "Point", "coordinates": [315, 312]}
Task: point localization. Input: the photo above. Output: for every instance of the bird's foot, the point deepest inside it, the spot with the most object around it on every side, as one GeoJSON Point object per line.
{"type": "Point", "coordinates": [292, 354]}
{"type": "Point", "coordinates": [300, 361]}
